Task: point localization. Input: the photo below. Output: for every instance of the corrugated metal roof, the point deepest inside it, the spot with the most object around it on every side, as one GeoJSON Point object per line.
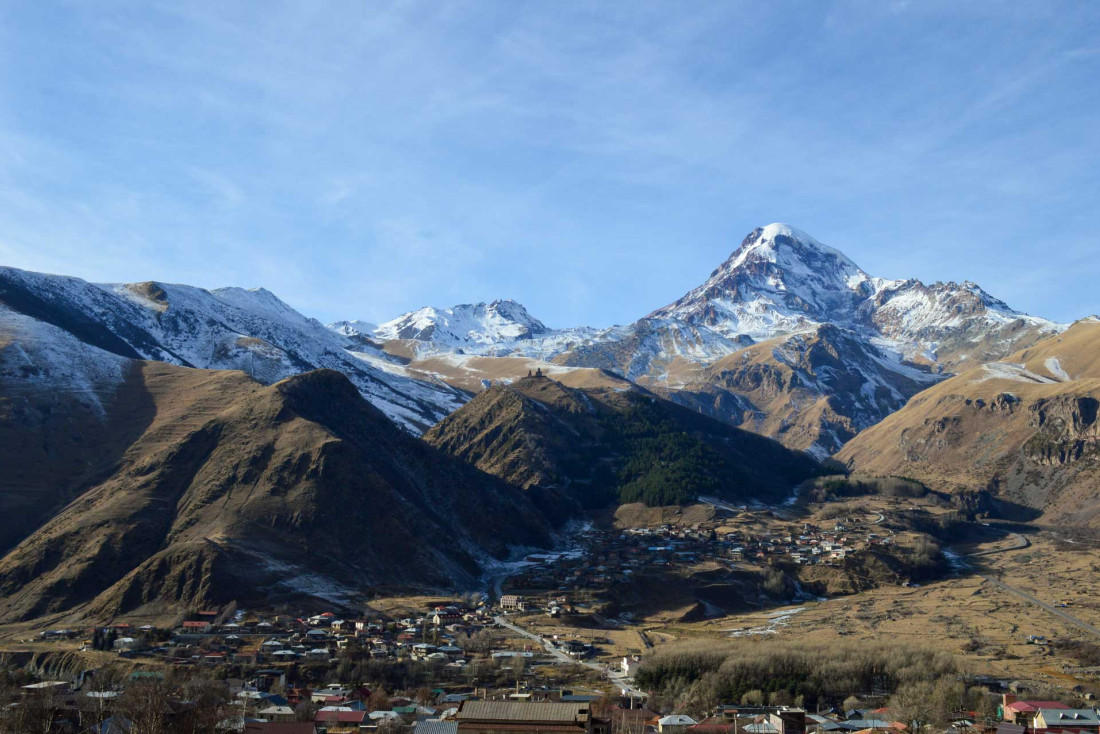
{"type": "Point", "coordinates": [435, 726]}
{"type": "Point", "coordinates": [533, 726]}
{"type": "Point", "coordinates": [525, 712]}
{"type": "Point", "coordinates": [1076, 717]}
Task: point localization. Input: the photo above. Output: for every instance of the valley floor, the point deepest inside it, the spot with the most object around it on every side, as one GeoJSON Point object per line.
{"type": "Point", "coordinates": [1016, 603]}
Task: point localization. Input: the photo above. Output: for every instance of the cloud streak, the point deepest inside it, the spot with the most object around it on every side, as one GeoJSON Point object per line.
{"type": "Point", "coordinates": [593, 162]}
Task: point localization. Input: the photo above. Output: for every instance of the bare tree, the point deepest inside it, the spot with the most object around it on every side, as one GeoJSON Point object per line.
{"type": "Point", "coordinates": [37, 711]}
{"type": "Point", "coordinates": [9, 695]}
{"type": "Point", "coordinates": [107, 682]}
{"type": "Point", "coordinates": [306, 711]}
{"type": "Point", "coordinates": [210, 705]}
{"type": "Point", "coordinates": [913, 705]}
{"type": "Point", "coordinates": [145, 703]}
{"type": "Point", "coordinates": [630, 721]}
{"type": "Point", "coordinates": [379, 700]}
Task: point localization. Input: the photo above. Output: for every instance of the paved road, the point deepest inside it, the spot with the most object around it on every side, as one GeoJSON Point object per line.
{"type": "Point", "coordinates": [1061, 614]}
{"type": "Point", "coordinates": [560, 657]}
{"type": "Point", "coordinates": [1020, 543]}
{"type": "Point", "coordinates": [547, 645]}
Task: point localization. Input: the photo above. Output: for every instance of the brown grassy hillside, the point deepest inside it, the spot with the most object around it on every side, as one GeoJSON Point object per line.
{"type": "Point", "coordinates": [1025, 427]}
{"type": "Point", "coordinates": [213, 487]}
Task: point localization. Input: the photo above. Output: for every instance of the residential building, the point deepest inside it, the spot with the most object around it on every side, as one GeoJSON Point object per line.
{"type": "Point", "coordinates": [630, 665]}
{"type": "Point", "coordinates": [1066, 721]}
{"type": "Point", "coordinates": [435, 726]}
{"type": "Point", "coordinates": [508, 717]}
{"type": "Point", "coordinates": [273, 727]}
{"type": "Point", "coordinates": [675, 723]}
{"type": "Point", "coordinates": [1023, 713]}
{"type": "Point", "coordinates": [513, 603]}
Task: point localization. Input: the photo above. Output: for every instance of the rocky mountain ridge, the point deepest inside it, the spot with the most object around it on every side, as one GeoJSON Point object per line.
{"type": "Point", "coordinates": [1026, 428]}
{"type": "Point", "coordinates": [606, 445]}
{"type": "Point", "coordinates": [226, 328]}
{"type": "Point", "coordinates": [142, 485]}
{"type": "Point", "coordinates": [851, 348]}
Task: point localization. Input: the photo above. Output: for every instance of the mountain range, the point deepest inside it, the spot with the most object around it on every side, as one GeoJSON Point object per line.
{"type": "Point", "coordinates": [167, 445]}
{"type": "Point", "coordinates": [227, 328]}
{"type": "Point", "coordinates": [142, 485]}
{"type": "Point", "coordinates": [788, 338]}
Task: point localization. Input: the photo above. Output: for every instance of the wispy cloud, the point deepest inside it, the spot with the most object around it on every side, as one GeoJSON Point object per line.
{"type": "Point", "coordinates": [593, 161]}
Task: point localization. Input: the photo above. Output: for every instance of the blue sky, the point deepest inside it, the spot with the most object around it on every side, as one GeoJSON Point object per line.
{"type": "Point", "coordinates": [591, 160]}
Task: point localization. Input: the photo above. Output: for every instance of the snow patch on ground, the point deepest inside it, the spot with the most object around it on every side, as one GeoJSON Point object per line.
{"type": "Point", "coordinates": [776, 620]}
{"type": "Point", "coordinates": [1011, 371]}
{"type": "Point", "coordinates": [1054, 367]}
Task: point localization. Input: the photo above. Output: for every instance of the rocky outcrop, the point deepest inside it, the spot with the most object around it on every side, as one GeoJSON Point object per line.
{"type": "Point", "coordinates": [1026, 429]}
{"type": "Point", "coordinates": [1066, 430]}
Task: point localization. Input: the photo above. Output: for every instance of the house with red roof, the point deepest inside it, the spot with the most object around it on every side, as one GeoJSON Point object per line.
{"type": "Point", "coordinates": [1023, 712]}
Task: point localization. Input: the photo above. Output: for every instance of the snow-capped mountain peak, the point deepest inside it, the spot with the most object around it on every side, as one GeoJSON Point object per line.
{"type": "Point", "coordinates": [779, 280]}
{"type": "Point", "coordinates": [355, 327]}
{"type": "Point", "coordinates": [470, 324]}
{"type": "Point", "coordinates": [782, 244]}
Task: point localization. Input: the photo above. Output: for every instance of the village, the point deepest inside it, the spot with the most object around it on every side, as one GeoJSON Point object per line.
{"type": "Point", "coordinates": [410, 665]}
{"type": "Point", "coordinates": [275, 699]}
{"type": "Point", "coordinates": [543, 653]}
{"type": "Point", "coordinates": [742, 539]}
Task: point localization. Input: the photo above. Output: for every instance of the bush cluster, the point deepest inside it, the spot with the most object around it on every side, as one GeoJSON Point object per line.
{"type": "Point", "coordinates": [704, 674]}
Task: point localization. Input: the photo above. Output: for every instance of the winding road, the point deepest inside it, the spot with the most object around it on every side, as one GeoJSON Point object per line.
{"type": "Point", "coordinates": [1020, 543]}
{"type": "Point", "coordinates": [561, 658]}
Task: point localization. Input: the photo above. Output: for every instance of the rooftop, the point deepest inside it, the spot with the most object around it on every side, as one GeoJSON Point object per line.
{"type": "Point", "coordinates": [523, 712]}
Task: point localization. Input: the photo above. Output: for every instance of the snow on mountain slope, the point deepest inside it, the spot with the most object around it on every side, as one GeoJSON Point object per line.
{"type": "Point", "coordinates": [228, 328]}
{"type": "Point", "coordinates": [467, 325]}
{"type": "Point", "coordinates": [780, 280]}
{"type": "Point", "coordinates": [36, 357]}
{"type": "Point", "coordinates": [354, 328]}
{"type": "Point", "coordinates": [953, 324]}
{"type": "Point", "coordinates": [865, 343]}
{"type": "Point", "coordinates": [1025, 428]}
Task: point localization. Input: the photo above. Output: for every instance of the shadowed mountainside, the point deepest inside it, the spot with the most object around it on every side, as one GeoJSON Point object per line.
{"type": "Point", "coordinates": [234, 490]}
{"type": "Point", "coordinates": [604, 444]}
